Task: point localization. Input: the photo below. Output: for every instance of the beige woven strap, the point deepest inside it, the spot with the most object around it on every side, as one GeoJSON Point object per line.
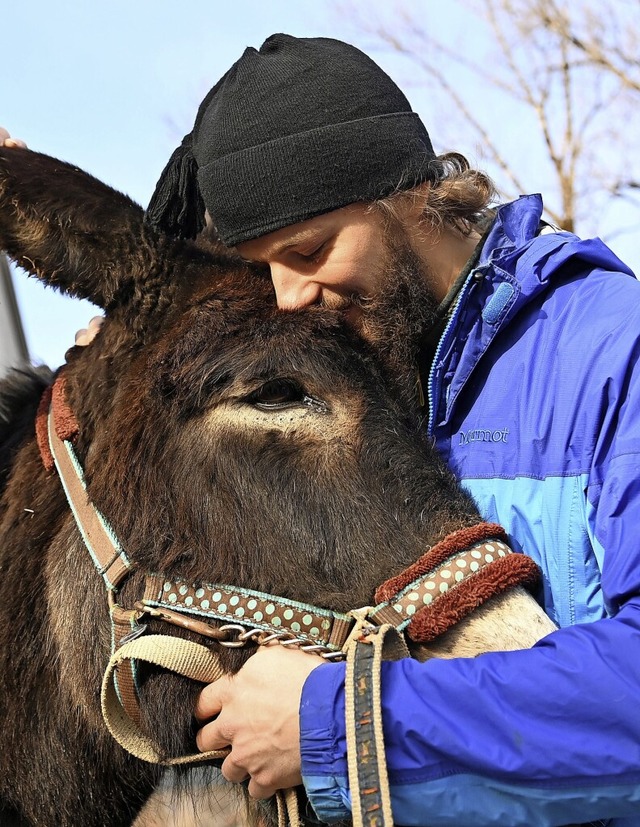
{"type": "Point", "coordinates": [182, 656]}
{"type": "Point", "coordinates": [288, 808]}
{"type": "Point", "coordinates": [193, 661]}
{"type": "Point", "coordinates": [367, 766]}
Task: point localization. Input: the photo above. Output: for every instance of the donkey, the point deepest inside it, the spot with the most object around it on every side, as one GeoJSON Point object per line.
{"type": "Point", "coordinates": [225, 441]}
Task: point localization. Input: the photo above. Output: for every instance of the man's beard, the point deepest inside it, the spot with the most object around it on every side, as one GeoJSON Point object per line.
{"type": "Point", "coordinates": [398, 319]}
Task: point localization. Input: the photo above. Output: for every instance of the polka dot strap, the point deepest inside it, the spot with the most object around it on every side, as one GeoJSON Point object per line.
{"type": "Point", "coordinates": [427, 589]}
{"type": "Point", "coordinates": [453, 543]}
{"type": "Point", "coordinates": [454, 577]}
{"type": "Point", "coordinates": [232, 604]}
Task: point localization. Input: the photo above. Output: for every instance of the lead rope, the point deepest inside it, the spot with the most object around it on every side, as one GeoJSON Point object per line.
{"type": "Point", "coordinates": [288, 808]}
{"type": "Point", "coordinates": [192, 660]}
{"type": "Point", "coordinates": [367, 647]}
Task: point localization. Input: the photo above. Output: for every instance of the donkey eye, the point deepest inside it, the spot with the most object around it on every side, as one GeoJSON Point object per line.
{"type": "Point", "coordinates": [277, 393]}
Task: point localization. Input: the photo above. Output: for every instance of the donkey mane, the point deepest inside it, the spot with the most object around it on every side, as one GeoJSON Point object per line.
{"type": "Point", "coordinates": [20, 393]}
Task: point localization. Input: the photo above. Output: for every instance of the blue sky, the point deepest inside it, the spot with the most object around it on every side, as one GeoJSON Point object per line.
{"type": "Point", "coordinates": [112, 87]}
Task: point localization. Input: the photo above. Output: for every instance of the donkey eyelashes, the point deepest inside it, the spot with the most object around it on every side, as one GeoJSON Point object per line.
{"type": "Point", "coordinates": [276, 394]}
{"type": "Point", "coordinates": [281, 393]}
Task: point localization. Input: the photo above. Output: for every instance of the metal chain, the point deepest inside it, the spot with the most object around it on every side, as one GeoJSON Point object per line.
{"type": "Point", "coordinates": [262, 637]}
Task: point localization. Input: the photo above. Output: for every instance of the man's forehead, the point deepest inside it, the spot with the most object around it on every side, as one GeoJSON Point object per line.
{"type": "Point", "coordinates": [272, 244]}
{"type": "Point", "coordinates": [267, 247]}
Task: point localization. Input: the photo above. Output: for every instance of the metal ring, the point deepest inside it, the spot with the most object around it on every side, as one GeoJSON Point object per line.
{"type": "Point", "coordinates": [248, 634]}
{"type": "Point", "coordinates": [233, 644]}
{"type": "Point", "coordinates": [284, 637]}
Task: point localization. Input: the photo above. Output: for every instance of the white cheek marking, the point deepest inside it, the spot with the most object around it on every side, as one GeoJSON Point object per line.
{"type": "Point", "coordinates": [245, 416]}
{"type": "Point", "coordinates": [339, 422]}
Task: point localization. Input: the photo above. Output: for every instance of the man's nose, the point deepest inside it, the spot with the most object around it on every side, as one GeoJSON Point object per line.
{"type": "Point", "coordinates": [293, 289]}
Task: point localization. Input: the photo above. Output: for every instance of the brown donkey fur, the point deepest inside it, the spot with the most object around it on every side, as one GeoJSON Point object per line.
{"type": "Point", "coordinates": [224, 440]}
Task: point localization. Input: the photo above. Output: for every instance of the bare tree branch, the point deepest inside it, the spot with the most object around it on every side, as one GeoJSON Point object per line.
{"type": "Point", "coordinates": [447, 87]}
{"type": "Point", "coordinates": [568, 71]}
{"type": "Point", "coordinates": [613, 59]}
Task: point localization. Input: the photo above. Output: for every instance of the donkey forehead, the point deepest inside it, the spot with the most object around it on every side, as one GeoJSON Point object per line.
{"type": "Point", "coordinates": [215, 347]}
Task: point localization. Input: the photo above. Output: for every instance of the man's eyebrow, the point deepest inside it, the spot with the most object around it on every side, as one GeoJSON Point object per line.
{"type": "Point", "coordinates": [298, 238]}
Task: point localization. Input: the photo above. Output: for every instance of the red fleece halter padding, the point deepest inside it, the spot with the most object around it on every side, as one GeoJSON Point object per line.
{"type": "Point", "coordinates": [455, 604]}
{"type": "Point", "coordinates": [63, 420]}
{"type": "Point", "coordinates": [452, 606]}
{"type": "Point", "coordinates": [436, 556]}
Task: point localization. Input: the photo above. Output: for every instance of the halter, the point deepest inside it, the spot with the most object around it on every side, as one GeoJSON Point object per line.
{"type": "Point", "coordinates": [449, 581]}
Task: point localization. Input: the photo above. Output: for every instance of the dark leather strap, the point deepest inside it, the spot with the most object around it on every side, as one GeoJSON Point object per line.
{"type": "Point", "coordinates": [110, 560]}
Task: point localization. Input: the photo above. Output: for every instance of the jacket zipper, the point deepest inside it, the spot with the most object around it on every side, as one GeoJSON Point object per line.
{"type": "Point", "coordinates": [432, 388]}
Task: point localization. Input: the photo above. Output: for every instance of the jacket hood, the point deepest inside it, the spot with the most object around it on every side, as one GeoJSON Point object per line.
{"type": "Point", "coordinates": [516, 250]}
{"type": "Point", "coordinates": [515, 266]}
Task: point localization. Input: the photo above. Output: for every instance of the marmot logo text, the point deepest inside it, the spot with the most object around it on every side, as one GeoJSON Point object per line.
{"type": "Point", "coordinates": [483, 435]}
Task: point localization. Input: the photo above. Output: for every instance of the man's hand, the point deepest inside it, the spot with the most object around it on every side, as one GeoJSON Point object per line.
{"type": "Point", "coordinates": [7, 140]}
{"type": "Point", "coordinates": [258, 715]}
{"type": "Point", "coordinates": [86, 335]}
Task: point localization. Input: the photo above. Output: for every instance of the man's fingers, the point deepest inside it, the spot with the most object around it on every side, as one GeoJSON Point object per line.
{"type": "Point", "coordinates": [260, 791]}
{"type": "Point", "coordinates": [235, 773]}
{"type": "Point", "coordinates": [212, 736]}
{"type": "Point", "coordinates": [14, 143]}
{"type": "Point", "coordinates": [87, 334]}
{"type": "Point", "coordinates": [7, 140]}
{"type": "Point", "coordinates": [209, 702]}
{"type": "Point", "coordinates": [95, 324]}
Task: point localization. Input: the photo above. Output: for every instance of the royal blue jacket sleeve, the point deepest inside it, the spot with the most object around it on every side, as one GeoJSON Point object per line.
{"type": "Point", "coordinates": [518, 738]}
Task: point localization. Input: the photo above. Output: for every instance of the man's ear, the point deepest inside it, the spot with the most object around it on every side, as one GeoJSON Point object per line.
{"type": "Point", "coordinates": [416, 202]}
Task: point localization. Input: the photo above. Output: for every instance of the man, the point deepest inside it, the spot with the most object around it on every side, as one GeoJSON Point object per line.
{"type": "Point", "coordinates": [534, 399]}
{"type": "Point", "coordinates": [308, 159]}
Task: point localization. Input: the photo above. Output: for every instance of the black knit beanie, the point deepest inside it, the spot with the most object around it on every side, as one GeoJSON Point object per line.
{"type": "Point", "coordinates": [301, 127]}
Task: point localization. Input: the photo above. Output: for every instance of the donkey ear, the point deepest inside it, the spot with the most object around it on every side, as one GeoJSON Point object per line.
{"type": "Point", "coordinates": [70, 230]}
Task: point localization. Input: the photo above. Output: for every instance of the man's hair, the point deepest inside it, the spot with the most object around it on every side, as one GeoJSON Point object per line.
{"type": "Point", "coordinates": [454, 196]}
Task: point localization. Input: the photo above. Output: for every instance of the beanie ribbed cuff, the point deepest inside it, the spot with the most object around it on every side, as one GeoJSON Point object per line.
{"type": "Point", "coordinates": [299, 175]}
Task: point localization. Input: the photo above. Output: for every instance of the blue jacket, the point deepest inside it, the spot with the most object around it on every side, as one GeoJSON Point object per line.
{"type": "Point", "coordinates": [535, 405]}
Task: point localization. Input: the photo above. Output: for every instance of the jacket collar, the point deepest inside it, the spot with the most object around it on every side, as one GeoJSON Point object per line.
{"type": "Point", "coordinates": [515, 265]}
